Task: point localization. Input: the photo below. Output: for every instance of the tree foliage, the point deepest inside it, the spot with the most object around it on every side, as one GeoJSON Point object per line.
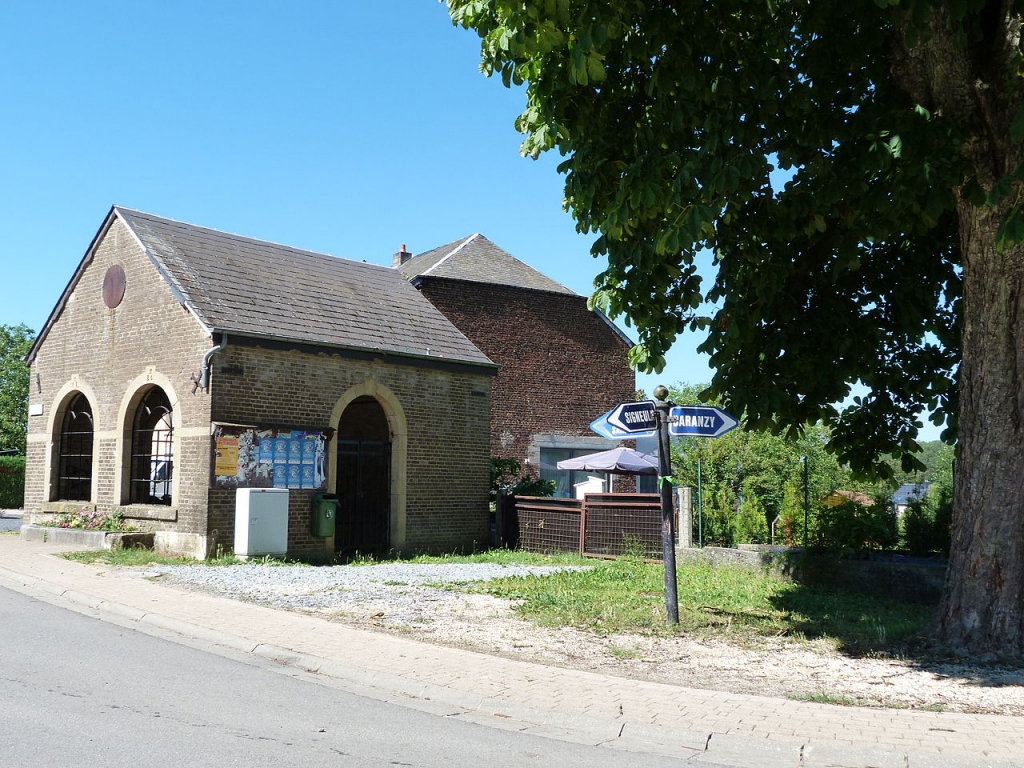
{"type": "Point", "coordinates": [754, 472]}
{"type": "Point", "coordinates": [15, 341]}
{"type": "Point", "coordinates": [772, 134]}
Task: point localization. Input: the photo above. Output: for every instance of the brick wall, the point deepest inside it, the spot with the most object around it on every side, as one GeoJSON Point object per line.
{"type": "Point", "coordinates": [444, 414]}
{"type": "Point", "coordinates": [149, 338]}
{"type": "Point", "coordinates": [562, 366]}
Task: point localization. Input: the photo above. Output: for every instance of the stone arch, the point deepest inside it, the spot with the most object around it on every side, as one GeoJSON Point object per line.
{"type": "Point", "coordinates": [397, 424]}
{"type": "Point", "coordinates": [134, 393]}
{"type": "Point", "coordinates": [74, 386]}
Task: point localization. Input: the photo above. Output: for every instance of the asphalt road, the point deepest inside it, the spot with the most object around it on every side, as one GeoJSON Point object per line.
{"type": "Point", "coordinates": [78, 691]}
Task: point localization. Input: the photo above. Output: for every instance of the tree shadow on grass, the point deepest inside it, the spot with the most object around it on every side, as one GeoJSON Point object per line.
{"type": "Point", "coordinates": [883, 624]}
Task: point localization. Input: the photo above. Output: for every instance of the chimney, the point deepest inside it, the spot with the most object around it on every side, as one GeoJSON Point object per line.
{"type": "Point", "coordinates": [401, 257]}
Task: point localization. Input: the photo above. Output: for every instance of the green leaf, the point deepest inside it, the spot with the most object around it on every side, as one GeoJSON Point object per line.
{"type": "Point", "coordinates": [1011, 230]}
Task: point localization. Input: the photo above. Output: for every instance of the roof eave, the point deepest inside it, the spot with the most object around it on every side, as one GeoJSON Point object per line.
{"type": "Point", "coordinates": [235, 335]}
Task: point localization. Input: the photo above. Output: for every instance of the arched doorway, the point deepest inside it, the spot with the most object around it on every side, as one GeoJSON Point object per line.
{"type": "Point", "coordinates": [363, 478]}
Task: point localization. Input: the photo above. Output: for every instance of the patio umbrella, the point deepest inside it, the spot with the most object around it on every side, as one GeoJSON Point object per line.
{"type": "Point", "coordinates": [617, 461]}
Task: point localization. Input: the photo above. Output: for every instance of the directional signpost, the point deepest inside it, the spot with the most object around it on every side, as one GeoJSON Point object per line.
{"type": "Point", "coordinates": [645, 418]}
{"type": "Point", "coordinates": [634, 417]}
{"type": "Point", "coordinates": [699, 421]}
{"type": "Point", "coordinates": [627, 421]}
{"type": "Point", "coordinates": [607, 431]}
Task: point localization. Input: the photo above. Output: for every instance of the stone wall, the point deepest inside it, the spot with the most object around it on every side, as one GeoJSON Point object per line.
{"type": "Point", "coordinates": [438, 416]}
{"type": "Point", "coordinates": [905, 578]}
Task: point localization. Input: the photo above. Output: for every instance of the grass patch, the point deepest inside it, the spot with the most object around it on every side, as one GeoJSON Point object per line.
{"type": "Point", "coordinates": [492, 556]}
{"type": "Point", "coordinates": [826, 698]}
{"type": "Point", "coordinates": [135, 557]}
{"type": "Point", "coordinates": [627, 595]}
{"type": "Point", "coordinates": [620, 652]}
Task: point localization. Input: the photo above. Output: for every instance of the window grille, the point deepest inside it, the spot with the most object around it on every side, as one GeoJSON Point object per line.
{"type": "Point", "coordinates": [152, 454]}
{"type": "Point", "coordinates": [74, 459]}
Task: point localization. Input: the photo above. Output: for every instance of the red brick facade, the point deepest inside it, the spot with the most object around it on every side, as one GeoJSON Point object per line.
{"type": "Point", "coordinates": [562, 365]}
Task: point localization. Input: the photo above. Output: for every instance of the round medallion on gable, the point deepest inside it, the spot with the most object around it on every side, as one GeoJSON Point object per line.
{"type": "Point", "coordinates": [113, 285]}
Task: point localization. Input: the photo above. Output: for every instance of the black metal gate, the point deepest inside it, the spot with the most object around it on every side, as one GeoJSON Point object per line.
{"type": "Point", "coordinates": [364, 496]}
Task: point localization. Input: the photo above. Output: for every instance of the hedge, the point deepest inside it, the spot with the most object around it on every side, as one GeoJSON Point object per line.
{"type": "Point", "coordinates": [12, 482]}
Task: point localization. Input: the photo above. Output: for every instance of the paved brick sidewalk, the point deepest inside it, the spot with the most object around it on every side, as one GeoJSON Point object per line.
{"type": "Point", "coordinates": [723, 728]}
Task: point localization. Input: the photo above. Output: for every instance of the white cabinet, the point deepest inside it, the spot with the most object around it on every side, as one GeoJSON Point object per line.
{"type": "Point", "coordinates": [261, 522]}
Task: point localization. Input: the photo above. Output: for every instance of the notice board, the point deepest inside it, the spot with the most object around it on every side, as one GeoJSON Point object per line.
{"type": "Point", "coordinates": [257, 457]}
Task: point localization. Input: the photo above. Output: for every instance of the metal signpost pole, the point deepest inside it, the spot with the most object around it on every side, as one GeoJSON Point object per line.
{"type": "Point", "coordinates": [700, 507]}
{"type": "Point", "coordinates": [668, 543]}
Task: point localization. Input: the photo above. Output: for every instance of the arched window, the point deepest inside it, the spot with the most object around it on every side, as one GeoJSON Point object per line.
{"type": "Point", "coordinates": [152, 451]}
{"type": "Point", "coordinates": [74, 458]}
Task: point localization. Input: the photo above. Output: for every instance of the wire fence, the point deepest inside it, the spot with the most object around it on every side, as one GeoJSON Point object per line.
{"type": "Point", "coordinates": [600, 525]}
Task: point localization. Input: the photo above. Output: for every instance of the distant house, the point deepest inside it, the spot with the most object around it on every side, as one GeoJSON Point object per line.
{"type": "Point", "coordinates": [907, 493]}
{"type": "Point", "coordinates": [838, 498]}
{"type": "Point", "coordinates": [562, 365]}
{"type": "Point", "coordinates": [182, 363]}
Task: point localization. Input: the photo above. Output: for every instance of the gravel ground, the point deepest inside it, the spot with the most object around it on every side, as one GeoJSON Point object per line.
{"type": "Point", "coordinates": [412, 599]}
{"type": "Point", "coordinates": [410, 591]}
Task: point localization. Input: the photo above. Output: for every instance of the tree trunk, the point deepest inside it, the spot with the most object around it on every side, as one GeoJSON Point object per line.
{"type": "Point", "coordinates": [982, 611]}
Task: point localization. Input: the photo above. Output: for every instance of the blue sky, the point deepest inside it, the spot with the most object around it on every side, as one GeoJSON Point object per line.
{"type": "Point", "coordinates": [346, 128]}
{"type": "Point", "coordinates": [341, 127]}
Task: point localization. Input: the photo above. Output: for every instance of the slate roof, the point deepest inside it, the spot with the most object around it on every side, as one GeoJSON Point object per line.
{"type": "Point", "coordinates": [249, 287]}
{"type": "Point", "coordinates": [910, 491]}
{"type": "Point", "coordinates": [478, 260]}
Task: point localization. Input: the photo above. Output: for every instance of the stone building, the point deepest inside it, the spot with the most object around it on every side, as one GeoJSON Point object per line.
{"type": "Point", "coordinates": [182, 363]}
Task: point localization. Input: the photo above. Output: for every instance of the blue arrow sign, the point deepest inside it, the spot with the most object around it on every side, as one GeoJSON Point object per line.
{"type": "Point", "coordinates": [606, 430]}
{"type": "Point", "coordinates": [634, 417]}
{"type": "Point", "coordinates": [699, 421]}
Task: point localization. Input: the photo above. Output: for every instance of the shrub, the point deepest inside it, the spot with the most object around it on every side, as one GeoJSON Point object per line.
{"type": "Point", "coordinates": [508, 479]}
{"type": "Point", "coordinates": [751, 524]}
{"type": "Point", "coordinates": [918, 528]}
{"type": "Point", "coordinates": [12, 482]}
{"type": "Point", "coordinates": [716, 519]}
{"type": "Point", "coordinates": [853, 526]}
{"type": "Point", "coordinates": [926, 523]}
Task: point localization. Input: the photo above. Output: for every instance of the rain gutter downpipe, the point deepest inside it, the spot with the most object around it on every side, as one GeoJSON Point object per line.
{"type": "Point", "coordinates": [204, 371]}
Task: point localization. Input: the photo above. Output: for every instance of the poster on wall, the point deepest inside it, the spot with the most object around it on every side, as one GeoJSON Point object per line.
{"type": "Point", "coordinates": [254, 457]}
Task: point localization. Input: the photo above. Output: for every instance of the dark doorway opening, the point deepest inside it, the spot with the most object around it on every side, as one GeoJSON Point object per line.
{"type": "Point", "coordinates": [364, 478]}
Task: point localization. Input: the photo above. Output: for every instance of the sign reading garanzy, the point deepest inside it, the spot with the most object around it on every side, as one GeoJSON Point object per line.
{"type": "Point", "coordinates": [699, 421]}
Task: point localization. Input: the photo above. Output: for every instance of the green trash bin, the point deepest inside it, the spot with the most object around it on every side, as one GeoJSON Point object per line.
{"type": "Point", "coordinates": [325, 511]}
